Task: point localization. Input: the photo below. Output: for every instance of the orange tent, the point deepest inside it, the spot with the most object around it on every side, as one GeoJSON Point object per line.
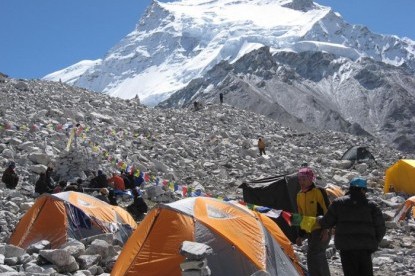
{"type": "Point", "coordinates": [333, 191]}
{"type": "Point", "coordinates": [57, 217]}
{"type": "Point", "coordinates": [243, 241]}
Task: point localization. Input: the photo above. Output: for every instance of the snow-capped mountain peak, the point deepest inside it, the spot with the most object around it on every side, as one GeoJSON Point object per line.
{"type": "Point", "coordinates": [180, 41]}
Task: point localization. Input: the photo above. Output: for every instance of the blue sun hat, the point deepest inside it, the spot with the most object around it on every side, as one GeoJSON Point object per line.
{"type": "Point", "coordinates": [358, 182]}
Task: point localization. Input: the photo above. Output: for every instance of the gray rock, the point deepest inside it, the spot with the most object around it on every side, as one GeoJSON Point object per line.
{"type": "Point", "coordinates": [36, 247]}
{"type": "Point", "coordinates": [12, 261]}
{"type": "Point", "coordinates": [61, 258]}
{"type": "Point", "coordinates": [194, 250]}
{"type": "Point", "coordinates": [86, 261]}
{"type": "Point", "coordinates": [39, 158]}
{"type": "Point", "coordinates": [74, 247]}
{"type": "Point", "coordinates": [11, 251]}
{"type": "Point", "coordinates": [33, 268]}
{"type": "Point", "coordinates": [107, 237]}
{"type": "Point", "coordinates": [5, 269]}
{"type": "Point", "coordinates": [98, 247]}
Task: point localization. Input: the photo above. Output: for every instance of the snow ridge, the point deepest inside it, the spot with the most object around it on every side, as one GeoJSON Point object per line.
{"type": "Point", "coordinates": [179, 41]}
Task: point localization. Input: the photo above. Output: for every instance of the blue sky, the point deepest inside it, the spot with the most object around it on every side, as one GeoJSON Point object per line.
{"type": "Point", "coordinates": [39, 37]}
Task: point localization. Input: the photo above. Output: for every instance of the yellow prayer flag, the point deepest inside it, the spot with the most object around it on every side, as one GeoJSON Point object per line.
{"type": "Point", "coordinates": [307, 223]}
{"type": "Point", "coordinates": [68, 146]}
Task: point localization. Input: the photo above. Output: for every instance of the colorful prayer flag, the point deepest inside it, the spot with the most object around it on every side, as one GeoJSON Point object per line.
{"type": "Point", "coordinates": [287, 217]}
{"type": "Point", "coordinates": [307, 223]}
{"type": "Point", "coordinates": [296, 219]}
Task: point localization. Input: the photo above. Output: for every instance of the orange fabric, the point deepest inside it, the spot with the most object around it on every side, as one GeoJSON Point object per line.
{"type": "Point", "coordinates": [334, 191]}
{"type": "Point", "coordinates": [38, 225]}
{"type": "Point", "coordinates": [47, 218]}
{"type": "Point", "coordinates": [285, 243]}
{"type": "Point", "coordinates": [153, 248]}
{"type": "Point", "coordinates": [404, 208]}
{"type": "Point", "coordinates": [239, 224]}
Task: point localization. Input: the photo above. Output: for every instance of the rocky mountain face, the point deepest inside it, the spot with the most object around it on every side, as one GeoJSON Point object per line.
{"type": "Point", "coordinates": [213, 149]}
{"type": "Point", "coordinates": [315, 90]}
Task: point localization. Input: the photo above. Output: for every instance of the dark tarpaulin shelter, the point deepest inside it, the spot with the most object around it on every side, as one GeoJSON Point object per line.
{"type": "Point", "coordinates": [278, 192]}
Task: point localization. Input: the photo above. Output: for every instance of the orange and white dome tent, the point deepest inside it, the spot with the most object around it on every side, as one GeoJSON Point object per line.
{"type": "Point", "coordinates": [243, 241]}
{"type": "Point", "coordinates": [57, 217]}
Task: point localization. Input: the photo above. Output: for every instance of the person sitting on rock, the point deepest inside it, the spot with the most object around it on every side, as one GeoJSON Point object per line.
{"type": "Point", "coordinates": [116, 182]}
{"type": "Point", "coordinates": [10, 177]}
{"type": "Point", "coordinates": [139, 206]}
{"type": "Point", "coordinates": [127, 182]}
{"type": "Point", "coordinates": [100, 181]}
{"type": "Point", "coordinates": [79, 185]}
{"type": "Point", "coordinates": [42, 185]}
{"type": "Point", "coordinates": [75, 187]}
{"type": "Point", "coordinates": [60, 187]}
{"type": "Point", "coordinates": [139, 180]}
{"type": "Point", "coordinates": [49, 179]}
{"type": "Point", "coordinates": [103, 195]}
{"type": "Point", "coordinates": [112, 198]}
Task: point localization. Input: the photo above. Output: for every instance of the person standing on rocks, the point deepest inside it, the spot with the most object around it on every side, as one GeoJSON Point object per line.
{"type": "Point", "coordinates": [10, 177]}
{"type": "Point", "coordinates": [221, 98]}
{"type": "Point", "coordinates": [261, 146]}
{"type": "Point", "coordinates": [312, 201]}
{"type": "Point", "coordinates": [360, 228]}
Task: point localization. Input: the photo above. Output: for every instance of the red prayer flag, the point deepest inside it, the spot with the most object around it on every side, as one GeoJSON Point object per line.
{"type": "Point", "coordinates": [287, 217]}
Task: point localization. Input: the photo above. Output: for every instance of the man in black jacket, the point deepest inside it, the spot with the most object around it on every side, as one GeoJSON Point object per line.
{"type": "Point", "coordinates": [360, 227]}
{"type": "Point", "coordinates": [100, 181]}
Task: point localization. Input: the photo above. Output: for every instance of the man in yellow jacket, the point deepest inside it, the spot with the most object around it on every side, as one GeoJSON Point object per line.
{"type": "Point", "coordinates": [312, 201]}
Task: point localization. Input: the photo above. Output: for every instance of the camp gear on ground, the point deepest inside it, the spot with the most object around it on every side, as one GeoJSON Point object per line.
{"type": "Point", "coordinates": [404, 210]}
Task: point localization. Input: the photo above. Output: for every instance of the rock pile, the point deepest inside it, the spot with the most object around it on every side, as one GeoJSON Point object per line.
{"type": "Point", "coordinates": [212, 149]}
{"type": "Point", "coordinates": [92, 256]}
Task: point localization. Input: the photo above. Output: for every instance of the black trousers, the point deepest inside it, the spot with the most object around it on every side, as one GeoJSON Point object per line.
{"type": "Point", "coordinates": [356, 262]}
{"type": "Point", "coordinates": [316, 255]}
